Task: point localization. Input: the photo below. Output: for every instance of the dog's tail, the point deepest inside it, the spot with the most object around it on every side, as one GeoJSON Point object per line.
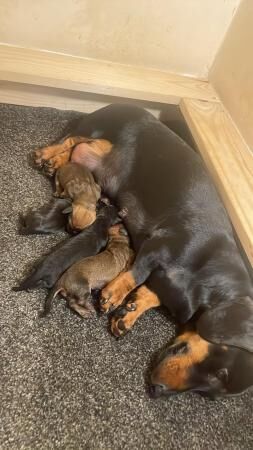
{"type": "Point", "coordinates": [49, 300]}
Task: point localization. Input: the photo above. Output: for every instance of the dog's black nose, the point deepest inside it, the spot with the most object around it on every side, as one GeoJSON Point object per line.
{"type": "Point", "coordinates": [156, 390]}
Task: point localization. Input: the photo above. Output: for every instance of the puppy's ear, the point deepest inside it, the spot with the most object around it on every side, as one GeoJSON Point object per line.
{"type": "Point", "coordinates": [229, 323]}
{"type": "Point", "coordinates": [67, 210]}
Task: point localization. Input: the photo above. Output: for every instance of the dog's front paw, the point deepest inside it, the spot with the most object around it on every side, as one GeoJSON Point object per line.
{"type": "Point", "coordinates": [124, 319]}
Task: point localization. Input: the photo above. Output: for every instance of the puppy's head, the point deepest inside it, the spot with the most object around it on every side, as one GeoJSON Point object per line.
{"type": "Point", "coordinates": [29, 223]}
{"type": "Point", "coordinates": [215, 360]}
{"type": "Point", "coordinates": [81, 217]}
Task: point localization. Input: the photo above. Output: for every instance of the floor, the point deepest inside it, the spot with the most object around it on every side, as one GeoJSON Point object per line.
{"type": "Point", "coordinates": [67, 383]}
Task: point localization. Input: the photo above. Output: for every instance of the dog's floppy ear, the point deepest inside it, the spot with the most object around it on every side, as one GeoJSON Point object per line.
{"type": "Point", "coordinates": [229, 323]}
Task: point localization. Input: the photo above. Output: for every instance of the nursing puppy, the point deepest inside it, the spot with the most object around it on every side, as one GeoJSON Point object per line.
{"type": "Point", "coordinates": [77, 183]}
{"type": "Point", "coordinates": [92, 273]}
{"type": "Point", "coordinates": [48, 219]}
{"type": "Point", "coordinates": [87, 243]}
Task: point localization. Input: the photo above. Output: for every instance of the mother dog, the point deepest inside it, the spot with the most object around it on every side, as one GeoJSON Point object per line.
{"type": "Point", "coordinates": [187, 258]}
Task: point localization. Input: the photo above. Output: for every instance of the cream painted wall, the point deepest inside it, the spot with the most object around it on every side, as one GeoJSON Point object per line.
{"type": "Point", "coordinates": [232, 72]}
{"type": "Point", "coordinates": [180, 36]}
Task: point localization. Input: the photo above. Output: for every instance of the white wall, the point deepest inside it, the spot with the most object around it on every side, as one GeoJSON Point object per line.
{"type": "Point", "coordinates": [180, 36]}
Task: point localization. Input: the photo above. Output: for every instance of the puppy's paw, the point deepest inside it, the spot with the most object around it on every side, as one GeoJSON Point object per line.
{"type": "Point", "coordinates": [123, 213]}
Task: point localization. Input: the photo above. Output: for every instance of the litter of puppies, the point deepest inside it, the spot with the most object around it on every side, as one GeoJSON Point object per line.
{"type": "Point", "coordinates": [78, 266]}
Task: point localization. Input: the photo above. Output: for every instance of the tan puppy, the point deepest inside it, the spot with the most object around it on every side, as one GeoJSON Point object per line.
{"type": "Point", "coordinates": [76, 182]}
{"type": "Point", "coordinates": [93, 273]}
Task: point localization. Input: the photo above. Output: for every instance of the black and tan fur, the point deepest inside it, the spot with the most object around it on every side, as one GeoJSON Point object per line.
{"type": "Point", "coordinates": [185, 248]}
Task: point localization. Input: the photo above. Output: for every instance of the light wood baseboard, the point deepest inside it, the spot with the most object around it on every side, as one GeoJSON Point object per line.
{"type": "Point", "coordinates": [32, 95]}
{"type": "Point", "coordinates": [99, 77]}
{"type": "Point", "coordinates": [228, 159]}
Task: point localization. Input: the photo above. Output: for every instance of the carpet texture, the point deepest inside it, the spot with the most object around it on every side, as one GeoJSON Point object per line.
{"type": "Point", "coordinates": [67, 383]}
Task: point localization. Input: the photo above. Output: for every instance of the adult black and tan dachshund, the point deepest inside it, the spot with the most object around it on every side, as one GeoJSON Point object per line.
{"type": "Point", "coordinates": [186, 254]}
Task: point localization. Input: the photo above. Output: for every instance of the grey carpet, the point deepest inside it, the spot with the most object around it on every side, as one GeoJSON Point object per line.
{"type": "Point", "coordinates": [67, 383]}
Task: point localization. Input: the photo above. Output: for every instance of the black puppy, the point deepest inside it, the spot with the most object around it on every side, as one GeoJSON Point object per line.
{"type": "Point", "coordinates": [87, 243]}
{"type": "Point", "coordinates": [48, 219]}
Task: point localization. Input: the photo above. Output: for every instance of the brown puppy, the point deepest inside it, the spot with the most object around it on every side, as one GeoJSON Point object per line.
{"type": "Point", "coordinates": [93, 273]}
{"type": "Point", "coordinates": [77, 183]}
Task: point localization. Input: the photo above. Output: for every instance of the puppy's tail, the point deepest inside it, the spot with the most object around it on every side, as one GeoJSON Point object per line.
{"type": "Point", "coordinates": [49, 300]}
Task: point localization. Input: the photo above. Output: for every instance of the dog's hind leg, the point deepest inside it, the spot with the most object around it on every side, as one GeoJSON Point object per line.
{"type": "Point", "coordinates": [126, 316]}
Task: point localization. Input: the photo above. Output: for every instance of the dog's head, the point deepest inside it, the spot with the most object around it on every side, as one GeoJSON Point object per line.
{"type": "Point", "coordinates": [215, 360]}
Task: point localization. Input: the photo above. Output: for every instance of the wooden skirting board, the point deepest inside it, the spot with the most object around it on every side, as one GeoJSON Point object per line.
{"type": "Point", "coordinates": [229, 161]}
{"type": "Point", "coordinates": [32, 95]}
{"type": "Point", "coordinates": [99, 77]}
{"type": "Point", "coordinates": [37, 78]}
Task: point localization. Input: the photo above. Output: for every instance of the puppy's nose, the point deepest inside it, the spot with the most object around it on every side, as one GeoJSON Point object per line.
{"type": "Point", "coordinates": [156, 390]}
